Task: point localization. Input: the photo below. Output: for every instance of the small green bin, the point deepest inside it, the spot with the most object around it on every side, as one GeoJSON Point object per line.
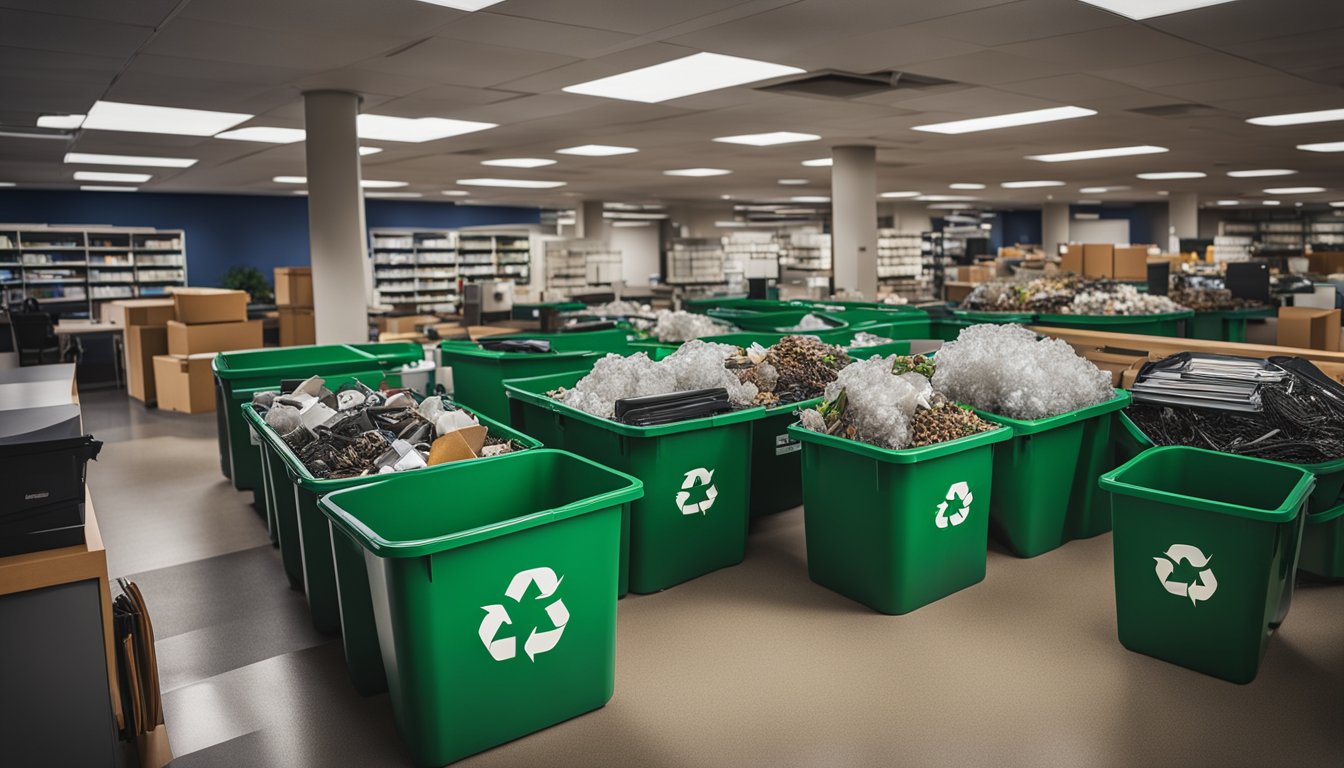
{"type": "Point", "coordinates": [696, 476]}
{"type": "Point", "coordinates": [495, 613]}
{"type": "Point", "coordinates": [533, 311]}
{"type": "Point", "coordinates": [897, 530]}
{"type": "Point", "coordinates": [777, 321]}
{"type": "Point", "coordinates": [1046, 478]}
{"type": "Point", "coordinates": [479, 374]}
{"type": "Point", "coordinates": [1205, 545]}
{"type": "Point", "coordinates": [319, 563]}
{"type": "Point", "coordinates": [1323, 544]}
{"type": "Point", "coordinates": [1165, 324]}
{"type": "Point", "coordinates": [249, 369]}
{"type": "Point", "coordinates": [1223, 325]}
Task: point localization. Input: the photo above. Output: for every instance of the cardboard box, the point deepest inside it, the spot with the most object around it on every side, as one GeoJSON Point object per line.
{"type": "Point", "coordinates": [1116, 361]}
{"type": "Point", "coordinates": [1072, 259]}
{"type": "Point", "coordinates": [209, 305]}
{"type": "Point", "coordinates": [298, 327]}
{"type": "Point", "coordinates": [1098, 260]}
{"type": "Point", "coordinates": [1131, 263]}
{"type": "Point", "coordinates": [957, 291]}
{"type": "Point", "coordinates": [143, 344]}
{"type": "Point", "coordinates": [405, 323]}
{"type": "Point", "coordinates": [185, 383]}
{"type": "Point", "coordinates": [293, 286]}
{"type": "Point", "coordinates": [129, 312]}
{"type": "Point", "coordinates": [186, 339]}
{"type": "Point", "coordinates": [975, 274]}
{"type": "Point", "coordinates": [1309, 328]}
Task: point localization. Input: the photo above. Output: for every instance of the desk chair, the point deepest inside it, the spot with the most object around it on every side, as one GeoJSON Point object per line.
{"type": "Point", "coordinates": [34, 338]}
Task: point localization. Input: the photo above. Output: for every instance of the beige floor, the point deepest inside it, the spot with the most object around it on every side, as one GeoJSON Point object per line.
{"type": "Point", "coordinates": [752, 665]}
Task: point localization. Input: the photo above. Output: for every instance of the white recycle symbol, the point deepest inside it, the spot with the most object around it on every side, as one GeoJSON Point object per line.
{"type": "Point", "coordinates": [697, 476]}
{"type": "Point", "coordinates": [1203, 589]}
{"type": "Point", "coordinates": [497, 616]}
{"type": "Point", "coordinates": [960, 491]}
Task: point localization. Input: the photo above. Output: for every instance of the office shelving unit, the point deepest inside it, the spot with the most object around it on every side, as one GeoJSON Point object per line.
{"type": "Point", "coordinates": [423, 269]}
{"type": "Point", "coordinates": [1286, 235]}
{"type": "Point", "coordinates": [575, 266]}
{"type": "Point", "coordinates": [805, 250]}
{"type": "Point", "coordinates": [71, 270]}
{"type": "Point", "coordinates": [900, 264]}
{"type": "Point", "coordinates": [756, 253]}
{"type": "Point", "coordinates": [695, 261]}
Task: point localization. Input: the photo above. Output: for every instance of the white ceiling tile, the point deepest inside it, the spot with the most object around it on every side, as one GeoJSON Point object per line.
{"type": "Point", "coordinates": [987, 68]}
{"type": "Point", "coordinates": [69, 34]}
{"type": "Point", "coordinates": [1020, 21]}
{"type": "Point", "coordinates": [1082, 90]}
{"type": "Point", "coordinates": [636, 17]}
{"type": "Point", "coordinates": [230, 44]}
{"type": "Point", "coordinates": [145, 13]}
{"type": "Point", "coordinates": [1125, 46]}
{"type": "Point", "coordinates": [533, 35]}
{"type": "Point", "coordinates": [458, 62]}
{"type": "Point", "coordinates": [1247, 87]}
{"type": "Point", "coordinates": [1192, 69]}
{"type": "Point", "coordinates": [387, 18]}
{"type": "Point", "coordinates": [1240, 22]}
{"type": "Point", "coordinates": [363, 81]}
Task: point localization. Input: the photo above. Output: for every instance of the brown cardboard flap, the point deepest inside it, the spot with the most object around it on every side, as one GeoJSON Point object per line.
{"type": "Point", "coordinates": [209, 305]}
{"type": "Point", "coordinates": [186, 339]}
{"type": "Point", "coordinates": [1309, 327]}
{"type": "Point", "coordinates": [129, 312]}
{"type": "Point", "coordinates": [449, 448]}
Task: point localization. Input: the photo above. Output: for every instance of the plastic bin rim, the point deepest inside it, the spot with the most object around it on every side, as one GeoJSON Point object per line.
{"type": "Point", "coordinates": [299, 474]}
{"type": "Point", "coordinates": [473, 349]}
{"type": "Point", "coordinates": [1326, 515]}
{"type": "Point", "coordinates": [905, 455]}
{"type": "Point", "coordinates": [1142, 437]}
{"type": "Point", "coordinates": [513, 389]}
{"type": "Point", "coordinates": [381, 547]}
{"type": "Point", "coordinates": [220, 364]}
{"type": "Point", "coordinates": [1032, 426]}
{"type": "Point", "coordinates": [1117, 319]}
{"type": "Point", "coordinates": [1292, 505]}
{"type": "Point", "coordinates": [990, 314]}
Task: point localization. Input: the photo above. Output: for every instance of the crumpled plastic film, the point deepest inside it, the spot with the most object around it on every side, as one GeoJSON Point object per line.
{"type": "Point", "coordinates": [696, 365]}
{"type": "Point", "coordinates": [880, 405]}
{"type": "Point", "coordinates": [1005, 370]}
{"type": "Point", "coordinates": [683, 326]}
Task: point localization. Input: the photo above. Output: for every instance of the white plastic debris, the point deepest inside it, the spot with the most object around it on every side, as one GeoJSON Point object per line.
{"type": "Point", "coordinates": [1121, 299]}
{"type": "Point", "coordinates": [412, 460]}
{"type": "Point", "coordinates": [620, 309]}
{"type": "Point", "coordinates": [1004, 369]}
{"type": "Point", "coordinates": [451, 421]}
{"type": "Point", "coordinates": [349, 399]}
{"type": "Point", "coordinates": [683, 326]}
{"type": "Point", "coordinates": [315, 413]}
{"type": "Point", "coordinates": [310, 386]}
{"type": "Point", "coordinates": [879, 404]}
{"type": "Point", "coordinates": [696, 365]}
{"type": "Point", "coordinates": [401, 400]}
{"type": "Point", "coordinates": [810, 322]}
{"type": "Point", "coordinates": [864, 339]}
{"type": "Point", "coordinates": [284, 419]}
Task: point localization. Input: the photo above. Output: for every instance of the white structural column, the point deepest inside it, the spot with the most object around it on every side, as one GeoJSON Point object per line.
{"type": "Point", "coordinates": [854, 219]}
{"type": "Point", "coordinates": [589, 223]}
{"type": "Point", "coordinates": [336, 232]}
{"type": "Point", "coordinates": [1183, 209]}
{"type": "Point", "coordinates": [1054, 226]}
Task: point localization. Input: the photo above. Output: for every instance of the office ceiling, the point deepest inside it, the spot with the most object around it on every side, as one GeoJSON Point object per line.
{"type": "Point", "coordinates": [1187, 82]}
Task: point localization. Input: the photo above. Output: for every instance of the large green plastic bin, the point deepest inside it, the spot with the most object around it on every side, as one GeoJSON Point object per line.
{"type": "Point", "coordinates": [533, 311]}
{"type": "Point", "coordinates": [1046, 478]}
{"type": "Point", "coordinates": [1223, 325]}
{"type": "Point", "coordinates": [1165, 324]}
{"type": "Point", "coordinates": [897, 530]}
{"type": "Point", "coordinates": [1205, 549]}
{"type": "Point", "coordinates": [338, 594]}
{"type": "Point", "coordinates": [496, 613]}
{"type": "Point", "coordinates": [734, 302]}
{"type": "Point", "coordinates": [1323, 543]}
{"type": "Point", "coordinates": [479, 374]}
{"type": "Point", "coordinates": [696, 475]}
{"type": "Point", "coordinates": [249, 369]}
{"type": "Point", "coordinates": [606, 340]}
{"type": "Point", "coordinates": [778, 321]}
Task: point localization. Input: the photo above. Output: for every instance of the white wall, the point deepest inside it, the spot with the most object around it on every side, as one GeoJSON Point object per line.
{"type": "Point", "coordinates": [639, 252]}
{"type": "Point", "coordinates": [1114, 231]}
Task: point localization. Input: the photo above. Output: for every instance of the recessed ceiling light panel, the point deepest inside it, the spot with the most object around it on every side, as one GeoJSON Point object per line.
{"type": "Point", "coordinates": [133, 178]}
{"type": "Point", "coordinates": [1098, 154]}
{"type": "Point", "coordinates": [84, 158]}
{"type": "Point", "coordinates": [810, 199]}
{"type": "Point", "coordinates": [697, 172]}
{"type": "Point", "coordinates": [1294, 190]}
{"type": "Point", "coordinates": [456, 192]}
{"type": "Point", "coordinates": [394, 194]}
{"type": "Point", "coordinates": [264, 135]}
{"type": "Point", "coordinates": [511, 183]}
{"type": "Point", "coordinates": [1148, 9]}
{"type": "Point", "coordinates": [899, 195]}
{"type": "Point", "coordinates": [793, 182]}
{"type": "Point", "coordinates": [1229, 202]}
{"type": "Point", "coordinates": [415, 130]}
{"type": "Point", "coordinates": [464, 5]}
{"type": "Point", "coordinates": [1030, 184]}
{"type": "Point", "coordinates": [1299, 118]}
{"type": "Point", "coordinates": [62, 122]}
{"type": "Point", "coordinates": [768, 139]}
{"type": "Point", "coordinates": [519, 162]}
{"type": "Point", "coordinates": [596, 150]}
{"type": "Point", "coordinates": [1172, 175]}
{"type": "Point", "coordinates": [820, 162]}
{"type": "Point", "coordinates": [965, 185]}
{"type": "Point", "coordinates": [1260, 172]}
{"type": "Point", "coordinates": [697, 73]}
{"type": "Point", "coordinates": [365, 151]}
{"type": "Point", "coordinates": [290, 179]}
{"type": "Point", "coordinates": [1011, 120]}
{"type": "Point", "coordinates": [99, 188]}
{"type": "Point", "coordinates": [943, 198]}
{"type": "Point", "coordinates": [1329, 146]}
{"type": "Point", "coordinates": [145, 118]}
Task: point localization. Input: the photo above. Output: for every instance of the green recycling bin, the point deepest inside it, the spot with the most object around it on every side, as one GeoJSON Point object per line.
{"type": "Point", "coordinates": [338, 596]}
{"type": "Point", "coordinates": [253, 368]}
{"type": "Point", "coordinates": [497, 616]}
{"type": "Point", "coordinates": [533, 311]}
{"type": "Point", "coordinates": [1206, 545]}
{"type": "Point", "coordinates": [1164, 324]}
{"type": "Point", "coordinates": [1046, 477]}
{"type": "Point", "coordinates": [897, 530]}
{"type": "Point", "coordinates": [1323, 544]}
{"type": "Point", "coordinates": [1223, 324]}
{"type": "Point", "coordinates": [696, 476]}
{"type": "Point", "coordinates": [479, 374]}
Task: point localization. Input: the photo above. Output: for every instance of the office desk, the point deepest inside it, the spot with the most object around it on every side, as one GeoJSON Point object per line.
{"type": "Point", "coordinates": [70, 331]}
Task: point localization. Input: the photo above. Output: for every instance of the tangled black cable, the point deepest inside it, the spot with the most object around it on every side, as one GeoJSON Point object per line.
{"type": "Point", "coordinates": [1301, 422]}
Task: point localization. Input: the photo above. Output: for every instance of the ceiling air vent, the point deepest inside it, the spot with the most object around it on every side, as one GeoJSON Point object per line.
{"type": "Point", "coordinates": [834, 84]}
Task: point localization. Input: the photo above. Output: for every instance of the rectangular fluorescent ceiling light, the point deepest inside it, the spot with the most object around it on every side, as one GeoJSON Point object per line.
{"type": "Point", "coordinates": [464, 5]}
{"type": "Point", "coordinates": [1030, 184]}
{"type": "Point", "coordinates": [697, 73]}
{"type": "Point", "coordinates": [512, 183]}
{"type": "Point", "coordinates": [1098, 154]}
{"type": "Point", "coordinates": [414, 130]}
{"type": "Point", "coordinates": [1262, 172]}
{"type": "Point", "coordinates": [365, 183]}
{"type": "Point", "coordinates": [363, 151]}
{"type": "Point", "coordinates": [394, 194]}
{"type": "Point", "coordinates": [793, 182]}
{"type": "Point", "coordinates": [290, 179]}
{"type": "Point", "coordinates": [810, 199]}
{"type": "Point", "coordinates": [631, 224]}
{"type": "Point", "coordinates": [134, 178]}
{"type": "Point", "coordinates": [1229, 202]}
{"type": "Point", "coordinates": [633, 216]}
{"type": "Point", "coordinates": [1329, 146]}
{"type": "Point", "coordinates": [1170, 175]}
{"type": "Point", "coordinates": [6, 183]}
{"type": "Point", "coordinates": [768, 139]}
{"type": "Point", "coordinates": [96, 188]}
{"type": "Point", "coordinates": [144, 118]}
{"type": "Point", "coordinates": [1148, 9]}
{"type": "Point", "coordinates": [264, 135]}
{"type": "Point", "coordinates": [820, 162]}
{"type": "Point", "coordinates": [1270, 202]}
{"type": "Point", "coordinates": [1101, 190]}
{"type": "Point", "coordinates": [941, 198]}
{"type": "Point", "coordinates": [697, 172]}
{"type": "Point", "coordinates": [456, 192]}
{"type": "Point", "coordinates": [1336, 204]}
{"type": "Point", "coordinates": [1296, 118]}
{"type": "Point", "coordinates": [899, 195]}
{"type": "Point", "coordinates": [1011, 120]}
{"type": "Point", "coordinates": [1294, 190]}
{"type": "Point", "coordinates": [965, 185]}
{"type": "Point", "coordinates": [519, 162]}
{"type": "Point", "coordinates": [596, 150]}
{"type": "Point", "coordinates": [82, 158]}
{"type": "Point", "coordinates": [62, 122]}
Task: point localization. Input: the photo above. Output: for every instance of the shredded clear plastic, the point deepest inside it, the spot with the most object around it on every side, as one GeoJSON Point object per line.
{"type": "Point", "coordinates": [696, 365]}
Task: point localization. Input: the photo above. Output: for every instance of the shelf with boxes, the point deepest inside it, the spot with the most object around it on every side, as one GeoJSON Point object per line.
{"type": "Point", "coordinates": [420, 270]}
{"type": "Point", "coordinates": [73, 270]}
{"type": "Point", "coordinates": [755, 254]}
{"type": "Point", "coordinates": [696, 261]}
{"type": "Point", "coordinates": [294, 305]}
{"type": "Point", "coordinates": [580, 265]}
{"type": "Point", "coordinates": [900, 264]}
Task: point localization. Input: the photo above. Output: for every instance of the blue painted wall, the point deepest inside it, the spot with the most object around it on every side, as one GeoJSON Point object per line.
{"type": "Point", "coordinates": [1013, 227]}
{"type": "Point", "coordinates": [226, 230]}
